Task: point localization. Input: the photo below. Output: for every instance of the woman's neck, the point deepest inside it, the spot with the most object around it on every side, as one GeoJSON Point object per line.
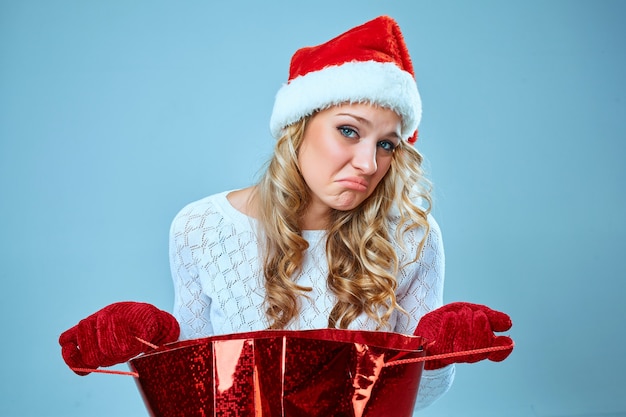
{"type": "Point", "coordinates": [315, 218]}
{"type": "Point", "coordinates": [242, 201]}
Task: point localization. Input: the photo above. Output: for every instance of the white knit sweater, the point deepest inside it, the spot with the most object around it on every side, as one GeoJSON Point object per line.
{"type": "Point", "coordinates": [216, 268]}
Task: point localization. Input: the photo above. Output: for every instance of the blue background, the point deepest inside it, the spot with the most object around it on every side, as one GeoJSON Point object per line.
{"type": "Point", "coordinates": [115, 114]}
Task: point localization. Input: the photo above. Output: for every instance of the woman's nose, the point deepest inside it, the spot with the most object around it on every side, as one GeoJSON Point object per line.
{"type": "Point", "coordinates": [364, 158]}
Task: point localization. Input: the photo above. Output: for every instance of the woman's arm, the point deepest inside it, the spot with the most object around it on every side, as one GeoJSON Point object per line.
{"type": "Point", "coordinates": [421, 292]}
{"type": "Point", "coordinates": [191, 305]}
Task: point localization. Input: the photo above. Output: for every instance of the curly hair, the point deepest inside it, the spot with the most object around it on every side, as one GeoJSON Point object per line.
{"type": "Point", "coordinates": [362, 261]}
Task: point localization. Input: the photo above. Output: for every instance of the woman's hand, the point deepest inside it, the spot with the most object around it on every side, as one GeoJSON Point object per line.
{"type": "Point", "coordinates": [116, 334]}
{"type": "Point", "coordinates": [460, 327]}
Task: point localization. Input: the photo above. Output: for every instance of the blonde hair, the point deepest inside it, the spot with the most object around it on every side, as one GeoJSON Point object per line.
{"type": "Point", "coordinates": [362, 260]}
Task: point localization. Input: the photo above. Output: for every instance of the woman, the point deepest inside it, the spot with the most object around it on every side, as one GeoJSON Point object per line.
{"type": "Point", "coordinates": [332, 235]}
{"type": "Point", "coordinates": [338, 231]}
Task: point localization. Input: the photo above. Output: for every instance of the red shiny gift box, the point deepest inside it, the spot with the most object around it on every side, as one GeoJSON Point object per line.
{"type": "Point", "coordinates": [272, 373]}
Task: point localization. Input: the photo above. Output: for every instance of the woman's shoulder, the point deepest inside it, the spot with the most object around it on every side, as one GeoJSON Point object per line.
{"type": "Point", "coordinates": [412, 237]}
{"type": "Point", "coordinates": [395, 220]}
{"type": "Point", "coordinates": [209, 212]}
{"type": "Point", "coordinates": [201, 206]}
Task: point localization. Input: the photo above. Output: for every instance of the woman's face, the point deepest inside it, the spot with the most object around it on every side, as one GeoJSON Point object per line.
{"type": "Point", "coordinates": [346, 150]}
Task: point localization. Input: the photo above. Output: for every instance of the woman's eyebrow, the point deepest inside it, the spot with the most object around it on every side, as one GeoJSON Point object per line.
{"type": "Point", "coordinates": [357, 118]}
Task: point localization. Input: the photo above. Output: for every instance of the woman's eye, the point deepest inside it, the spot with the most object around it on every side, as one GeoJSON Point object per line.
{"type": "Point", "coordinates": [348, 132]}
{"type": "Point", "coordinates": [387, 145]}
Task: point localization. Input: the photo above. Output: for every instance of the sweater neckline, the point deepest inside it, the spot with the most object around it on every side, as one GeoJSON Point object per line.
{"type": "Point", "coordinates": [227, 208]}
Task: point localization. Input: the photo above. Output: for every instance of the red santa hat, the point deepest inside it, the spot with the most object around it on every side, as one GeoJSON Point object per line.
{"type": "Point", "coordinates": [369, 63]}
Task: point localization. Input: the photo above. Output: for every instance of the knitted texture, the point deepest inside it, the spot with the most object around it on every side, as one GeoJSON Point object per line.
{"type": "Point", "coordinates": [218, 284]}
{"type": "Point", "coordinates": [111, 335]}
{"type": "Point", "coordinates": [459, 327]}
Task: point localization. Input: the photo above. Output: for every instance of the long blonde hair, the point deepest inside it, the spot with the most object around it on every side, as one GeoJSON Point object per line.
{"type": "Point", "coordinates": [361, 257]}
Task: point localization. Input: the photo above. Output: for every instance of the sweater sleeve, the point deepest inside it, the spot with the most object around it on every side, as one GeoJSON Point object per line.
{"type": "Point", "coordinates": [424, 293]}
{"type": "Point", "coordinates": [191, 305]}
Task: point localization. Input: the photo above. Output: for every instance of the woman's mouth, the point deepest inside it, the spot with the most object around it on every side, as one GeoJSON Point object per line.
{"type": "Point", "coordinates": [354, 183]}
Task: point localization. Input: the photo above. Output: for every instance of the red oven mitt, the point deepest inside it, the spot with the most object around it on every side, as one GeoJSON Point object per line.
{"type": "Point", "coordinates": [110, 336]}
{"type": "Point", "coordinates": [458, 327]}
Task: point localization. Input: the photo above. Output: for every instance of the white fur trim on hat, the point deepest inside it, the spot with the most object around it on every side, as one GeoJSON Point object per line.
{"type": "Point", "coordinates": [384, 84]}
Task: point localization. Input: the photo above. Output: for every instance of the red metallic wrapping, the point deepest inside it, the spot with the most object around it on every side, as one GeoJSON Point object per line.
{"type": "Point", "coordinates": [328, 372]}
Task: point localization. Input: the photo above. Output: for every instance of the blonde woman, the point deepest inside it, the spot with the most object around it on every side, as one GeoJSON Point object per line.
{"type": "Point", "coordinates": [338, 232]}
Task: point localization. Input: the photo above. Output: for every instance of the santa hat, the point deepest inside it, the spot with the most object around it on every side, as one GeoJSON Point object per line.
{"type": "Point", "coordinates": [369, 63]}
